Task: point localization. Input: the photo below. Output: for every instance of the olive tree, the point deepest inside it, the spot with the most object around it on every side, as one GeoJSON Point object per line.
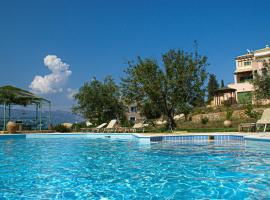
{"type": "Point", "coordinates": [170, 89]}
{"type": "Point", "coordinates": [261, 82]}
{"type": "Point", "coordinates": [100, 101]}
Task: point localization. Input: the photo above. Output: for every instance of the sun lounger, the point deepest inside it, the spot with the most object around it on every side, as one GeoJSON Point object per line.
{"type": "Point", "coordinates": [265, 119]}
{"type": "Point", "coordinates": [97, 129]}
{"type": "Point", "coordinates": [111, 126]}
{"type": "Point", "coordinates": [138, 126]}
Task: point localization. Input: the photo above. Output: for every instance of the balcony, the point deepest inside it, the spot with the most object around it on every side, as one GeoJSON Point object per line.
{"type": "Point", "coordinates": [242, 87]}
{"type": "Point", "coordinates": [243, 70]}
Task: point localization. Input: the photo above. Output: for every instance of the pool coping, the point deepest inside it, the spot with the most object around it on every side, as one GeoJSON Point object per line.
{"type": "Point", "coordinates": [257, 137]}
{"type": "Point", "coordinates": [246, 136]}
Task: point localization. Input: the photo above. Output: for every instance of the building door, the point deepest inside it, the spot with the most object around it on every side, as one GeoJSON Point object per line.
{"type": "Point", "coordinates": [244, 97]}
{"type": "Point", "coordinates": [132, 119]}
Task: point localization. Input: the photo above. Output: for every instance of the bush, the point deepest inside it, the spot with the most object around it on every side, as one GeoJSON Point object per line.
{"type": "Point", "coordinates": [250, 112]}
{"type": "Point", "coordinates": [77, 127]}
{"type": "Point", "coordinates": [61, 128]}
{"type": "Point", "coordinates": [204, 120]}
{"type": "Point", "coordinates": [202, 110]}
{"type": "Point", "coordinates": [229, 114]}
{"type": "Point", "coordinates": [227, 103]}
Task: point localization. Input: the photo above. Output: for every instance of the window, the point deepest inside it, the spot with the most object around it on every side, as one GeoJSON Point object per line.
{"type": "Point", "coordinates": [133, 109]}
{"type": "Point", "coordinates": [245, 78]}
{"type": "Point", "coordinates": [247, 63]}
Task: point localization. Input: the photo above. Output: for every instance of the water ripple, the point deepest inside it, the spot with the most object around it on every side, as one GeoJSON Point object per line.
{"type": "Point", "coordinates": [80, 168]}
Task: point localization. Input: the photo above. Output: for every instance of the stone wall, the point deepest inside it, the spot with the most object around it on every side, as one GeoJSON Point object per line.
{"type": "Point", "coordinates": [220, 116]}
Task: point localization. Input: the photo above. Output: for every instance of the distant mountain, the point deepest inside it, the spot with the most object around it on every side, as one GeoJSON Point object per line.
{"type": "Point", "coordinates": [57, 116]}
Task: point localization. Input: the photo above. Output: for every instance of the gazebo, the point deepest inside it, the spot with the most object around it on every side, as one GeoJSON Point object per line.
{"type": "Point", "coordinates": [224, 94]}
{"type": "Point", "coordinates": [10, 95]}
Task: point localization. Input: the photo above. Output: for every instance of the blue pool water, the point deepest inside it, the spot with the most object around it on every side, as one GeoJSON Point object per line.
{"type": "Point", "coordinates": [107, 168]}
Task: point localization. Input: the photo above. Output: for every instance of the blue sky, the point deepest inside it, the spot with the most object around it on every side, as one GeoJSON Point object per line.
{"type": "Point", "coordinates": [97, 38]}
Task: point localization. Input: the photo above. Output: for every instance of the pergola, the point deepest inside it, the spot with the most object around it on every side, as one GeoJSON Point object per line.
{"type": "Point", "coordinates": [224, 94]}
{"type": "Point", "coordinates": [10, 95]}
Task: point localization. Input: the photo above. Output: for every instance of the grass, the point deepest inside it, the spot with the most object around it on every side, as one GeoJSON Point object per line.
{"type": "Point", "coordinates": [210, 126]}
{"type": "Point", "coordinates": [192, 130]}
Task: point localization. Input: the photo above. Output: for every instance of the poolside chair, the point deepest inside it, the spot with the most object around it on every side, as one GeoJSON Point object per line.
{"type": "Point", "coordinates": [265, 119]}
{"type": "Point", "coordinates": [111, 126]}
{"type": "Point", "coordinates": [98, 128]}
{"type": "Point", "coordinates": [138, 126]}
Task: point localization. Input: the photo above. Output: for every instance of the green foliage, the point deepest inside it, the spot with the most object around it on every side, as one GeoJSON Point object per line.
{"type": "Point", "coordinates": [222, 84]}
{"type": "Point", "coordinates": [204, 120]}
{"type": "Point", "coordinates": [227, 103]}
{"type": "Point", "coordinates": [212, 86]}
{"type": "Point", "coordinates": [250, 112]}
{"type": "Point", "coordinates": [171, 90]}
{"type": "Point", "coordinates": [244, 98]}
{"type": "Point", "coordinates": [151, 111]}
{"type": "Point", "coordinates": [261, 82]}
{"type": "Point", "coordinates": [77, 127]}
{"type": "Point", "coordinates": [229, 114]}
{"type": "Point", "coordinates": [12, 95]}
{"type": "Point", "coordinates": [100, 101]}
{"type": "Point", "coordinates": [61, 128]}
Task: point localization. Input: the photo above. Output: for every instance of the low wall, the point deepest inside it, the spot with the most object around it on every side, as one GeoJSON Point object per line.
{"type": "Point", "coordinates": [220, 116]}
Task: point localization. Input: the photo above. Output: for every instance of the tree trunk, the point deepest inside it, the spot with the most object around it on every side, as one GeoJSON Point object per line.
{"type": "Point", "coordinates": [171, 123]}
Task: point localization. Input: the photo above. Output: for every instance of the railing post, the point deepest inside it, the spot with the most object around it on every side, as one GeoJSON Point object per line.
{"type": "Point", "coordinates": [40, 116]}
{"type": "Point", "coordinates": [4, 124]}
{"type": "Point", "coordinates": [9, 110]}
{"type": "Point", "coordinates": [36, 121]}
{"type": "Point", "coordinates": [49, 115]}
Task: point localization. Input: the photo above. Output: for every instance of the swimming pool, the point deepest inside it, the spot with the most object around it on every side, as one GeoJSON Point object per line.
{"type": "Point", "coordinates": [82, 167]}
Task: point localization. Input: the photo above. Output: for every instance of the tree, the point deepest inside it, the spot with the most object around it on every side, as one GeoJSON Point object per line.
{"type": "Point", "coordinates": [261, 82]}
{"type": "Point", "coordinates": [100, 101]}
{"type": "Point", "coordinates": [222, 84]}
{"type": "Point", "coordinates": [150, 110]}
{"type": "Point", "coordinates": [212, 86]}
{"type": "Point", "coordinates": [169, 90]}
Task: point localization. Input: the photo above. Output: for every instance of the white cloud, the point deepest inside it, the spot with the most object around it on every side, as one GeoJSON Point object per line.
{"type": "Point", "coordinates": [54, 81]}
{"type": "Point", "coordinates": [71, 93]}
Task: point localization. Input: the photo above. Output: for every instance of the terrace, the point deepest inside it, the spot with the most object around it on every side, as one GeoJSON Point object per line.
{"type": "Point", "coordinates": [11, 96]}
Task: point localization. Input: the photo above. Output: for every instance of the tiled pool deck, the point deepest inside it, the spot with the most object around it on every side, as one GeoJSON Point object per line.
{"type": "Point", "coordinates": [153, 137]}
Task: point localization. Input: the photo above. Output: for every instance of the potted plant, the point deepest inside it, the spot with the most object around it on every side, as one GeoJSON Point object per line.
{"type": "Point", "coordinates": [229, 114]}
{"type": "Point", "coordinates": [11, 127]}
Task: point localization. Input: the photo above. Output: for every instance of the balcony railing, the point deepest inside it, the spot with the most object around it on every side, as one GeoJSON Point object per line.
{"type": "Point", "coordinates": [29, 123]}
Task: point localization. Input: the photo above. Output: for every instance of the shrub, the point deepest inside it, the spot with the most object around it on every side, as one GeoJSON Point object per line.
{"type": "Point", "coordinates": [61, 128]}
{"type": "Point", "coordinates": [204, 120]}
{"type": "Point", "coordinates": [127, 123]}
{"type": "Point", "coordinates": [77, 126]}
{"type": "Point", "coordinates": [250, 112]}
{"type": "Point", "coordinates": [229, 114]}
{"type": "Point", "coordinates": [227, 103]}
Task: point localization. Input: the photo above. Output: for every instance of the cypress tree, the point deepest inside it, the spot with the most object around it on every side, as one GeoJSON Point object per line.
{"type": "Point", "coordinates": [212, 86]}
{"type": "Point", "coordinates": [222, 84]}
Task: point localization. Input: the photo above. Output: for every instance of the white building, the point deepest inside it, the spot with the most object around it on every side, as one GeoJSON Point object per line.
{"type": "Point", "coordinates": [246, 66]}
